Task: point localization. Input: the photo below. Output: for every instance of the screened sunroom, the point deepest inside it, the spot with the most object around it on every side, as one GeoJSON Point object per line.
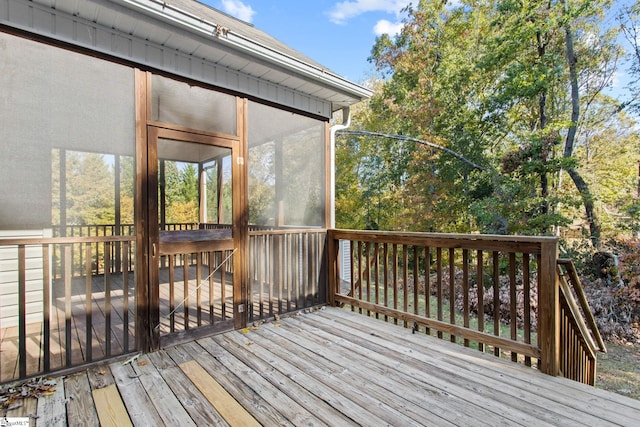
{"type": "Point", "coordinates": [165, 174]}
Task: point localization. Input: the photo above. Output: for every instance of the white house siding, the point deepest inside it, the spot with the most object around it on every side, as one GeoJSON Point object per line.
{"type": "Point", "coordinates": [9, 278]}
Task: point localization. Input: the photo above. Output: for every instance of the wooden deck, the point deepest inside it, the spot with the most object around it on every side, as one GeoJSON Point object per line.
{"type": "Point", "coordinates": [329, 367]}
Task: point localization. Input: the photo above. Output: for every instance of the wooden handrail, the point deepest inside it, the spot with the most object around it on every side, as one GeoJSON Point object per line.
{"type": "Point", "coordinates": [64, 240]}
{"type": "Point", "coordinates": [576, 284]}
{"type": "Point", "coordinates": [578, 318]}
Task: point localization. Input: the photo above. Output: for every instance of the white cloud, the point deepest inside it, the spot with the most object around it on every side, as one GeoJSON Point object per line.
{"type": "Point", "coordinates": [238, 9]}
{"type": "Point", "coordinates": [385, 27]}
{"type": "Point", "coordinates": [343, 11]}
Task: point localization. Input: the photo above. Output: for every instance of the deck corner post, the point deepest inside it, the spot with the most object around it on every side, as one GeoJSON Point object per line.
{"type": "Point", "coordinates": [549, 309]}
{"type": "Point", "coordinates": [332, 250]}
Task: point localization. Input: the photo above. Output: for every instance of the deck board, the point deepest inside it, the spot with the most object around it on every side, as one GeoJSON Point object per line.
{"type": "Point", "coordinates": [335, 367]}
{"type": "Point", "coordinates": [197, 405]}
{"type": "Point", "coordinates": [230, 410]}
{"type": "Point", "coordinates": [505, 376]}
{"type": "Point", "coordinates": [490, 397]}
{"type": "Point", "coordinates": [138, 403]}
{"type": "Point", "coordinates": [80, 408]}
{"type": "Point", "coordinates": [110, 408]}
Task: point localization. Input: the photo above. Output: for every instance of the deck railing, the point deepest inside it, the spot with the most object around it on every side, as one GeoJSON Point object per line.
{"type": "Point", "coordinates": [195, 294]}
{"type": "Point", "coordinates": [580, 339]}
{"type": "Point", "coordinates": [498, 294]}
{"type": "Point", "coordinates": [286, 271]}
{"type": "Point", "coordinates": [52, 321]}
{"type": "Point", "coordinates": [507, 295]}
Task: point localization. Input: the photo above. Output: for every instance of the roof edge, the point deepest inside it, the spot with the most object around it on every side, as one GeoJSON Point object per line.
{"type": "Point", "coordinates": [211, 30]}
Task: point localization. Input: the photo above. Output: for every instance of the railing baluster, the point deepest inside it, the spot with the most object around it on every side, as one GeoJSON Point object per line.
{"type": "Point", "coordinates": [22, 311]}
{"type": "Point", "coordinates": [172, 302]}
{"type": "Point", "coordinates": [452, 291]}
{"type": "Point", "coordinates": [513, 302]}
{"type": "Point", "coordinates": [465, 291]}
{"type": "Point", "coordinates": [367, 260]}
{"type": "Point", "coordinates": [271, 267]}
{"type": "Point", "coordinates": [125, 295]}
{"type": "Point", "coordinates": [46, 308]}
{"type": "Point", "coordinates": [480, 290]}
{"type": "Point", "coordinates": [540, 310]}
{"type": "Point", "coordinates": [107, 298]}
{"type": "Point", "coordinates": [223, 285]}
{"type": "Point", "coordinates": [416, 282]}
{"type": "Point", "coordinates": [385, 272]}
{"type": "Point", "coordinates": [427, 285]}
{"type": "Point", "coordinates": [526, 286]}
{"type": "Point", "coordinates": [210, 264]}
{"type": "Point", "coordinates": [360, 272]}
{"type": "Point", "coordinates": [88, 299]}
{"type": "Point", "coordinates": [67, 303]}
{"type": "Point", "coordinates": [405, 281]}
{"type": "Point", "coordinates": [352, 261]}
{"type": "Point", "coordinates": [317, 259]}
{"type": "Point", "coordinates": [185, 292]}
{"type": "Point", "coordinates": [198, 290]}
{"type": "Point", "coordinates": [288, 259]}
{"type": "Point", "coordinates": [395, 281]}
{"type": "Point", "coordinates": [496, 299]}
{"type": "Point", "coordinates": [439, 285]}
{"type": "Point", "coordinates": [376, 279]}
{"type": "Point", "coordinates": [297, 287]}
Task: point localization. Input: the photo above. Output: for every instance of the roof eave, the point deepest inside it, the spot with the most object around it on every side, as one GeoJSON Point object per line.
{"type": "Point", "coordinates": [212, 31]}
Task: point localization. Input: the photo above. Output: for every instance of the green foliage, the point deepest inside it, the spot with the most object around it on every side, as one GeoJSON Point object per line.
{"type": "Point", "coordinates": [181, 192]}
{"type": "Point", "coordinates": [490, 81]}
{"type": "Point", "coordinates": [89, 191]}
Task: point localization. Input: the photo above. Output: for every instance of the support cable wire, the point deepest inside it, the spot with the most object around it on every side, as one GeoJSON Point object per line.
{"type": "Point", "coordinates": [419, 141]}
{"type": "Point", "coordinates": [181, 303]}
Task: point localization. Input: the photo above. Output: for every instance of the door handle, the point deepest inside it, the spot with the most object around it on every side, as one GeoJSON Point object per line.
{"type": "Point", "coordinates": [153, 250]}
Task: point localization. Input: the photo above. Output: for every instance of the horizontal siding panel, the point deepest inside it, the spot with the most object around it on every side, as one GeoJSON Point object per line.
{"type": "Point", "coordinates": [31, 263]}
{"type": "Point", "coordinates": [7, 290]}
{"type": "Point", "coordinates": [10, 315]}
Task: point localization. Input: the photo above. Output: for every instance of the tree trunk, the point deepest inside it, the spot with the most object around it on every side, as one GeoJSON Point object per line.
{"type": "Point", "coordinates": [542, 105]}
{"type": "Point", "coordinates": [581, 185]}
{"type": "Point", "coordinates": [587, 201]}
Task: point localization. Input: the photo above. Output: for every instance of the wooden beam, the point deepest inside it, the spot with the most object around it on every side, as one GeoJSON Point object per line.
{"type": "Point", "coordinates": [143, 327]}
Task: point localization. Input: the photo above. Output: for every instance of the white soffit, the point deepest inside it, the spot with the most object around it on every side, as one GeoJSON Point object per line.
{"type": "Point", "coordinates": [229, 54]}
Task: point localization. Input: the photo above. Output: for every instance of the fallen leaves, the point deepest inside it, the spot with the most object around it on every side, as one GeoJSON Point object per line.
{"type": "Point", "coordinates": [35, 387]}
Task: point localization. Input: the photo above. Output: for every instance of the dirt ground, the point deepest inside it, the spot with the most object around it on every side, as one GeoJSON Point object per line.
{"type": "Point", "coordinates": [618, 370]}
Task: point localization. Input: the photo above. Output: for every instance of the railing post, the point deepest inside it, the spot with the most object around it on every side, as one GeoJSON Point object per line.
{"type": "Point", "coordinates": [549, 309]}
{"type": "Point", "coordinates": [332, 258]}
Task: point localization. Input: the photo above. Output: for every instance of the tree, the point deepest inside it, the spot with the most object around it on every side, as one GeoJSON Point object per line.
{"type": "Point", "coordinates": [498, 82]}
{"type": "Point", "coordinates": [610, 169]}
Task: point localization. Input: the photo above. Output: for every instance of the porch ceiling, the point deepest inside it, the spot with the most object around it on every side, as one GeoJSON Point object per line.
{"type": "Point", "coordinates": [198, 31]}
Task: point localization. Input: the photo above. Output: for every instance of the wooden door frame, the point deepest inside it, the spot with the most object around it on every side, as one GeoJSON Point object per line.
{"type": "Point", "coordinates": [147, 233]}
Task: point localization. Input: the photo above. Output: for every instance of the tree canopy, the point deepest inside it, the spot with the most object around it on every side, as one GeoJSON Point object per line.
{"type": "Point", "coordinates": [515, 87]}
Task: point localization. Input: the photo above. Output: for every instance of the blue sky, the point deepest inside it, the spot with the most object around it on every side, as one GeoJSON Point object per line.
{"type": "Point", "coordinates": [337, 34]}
